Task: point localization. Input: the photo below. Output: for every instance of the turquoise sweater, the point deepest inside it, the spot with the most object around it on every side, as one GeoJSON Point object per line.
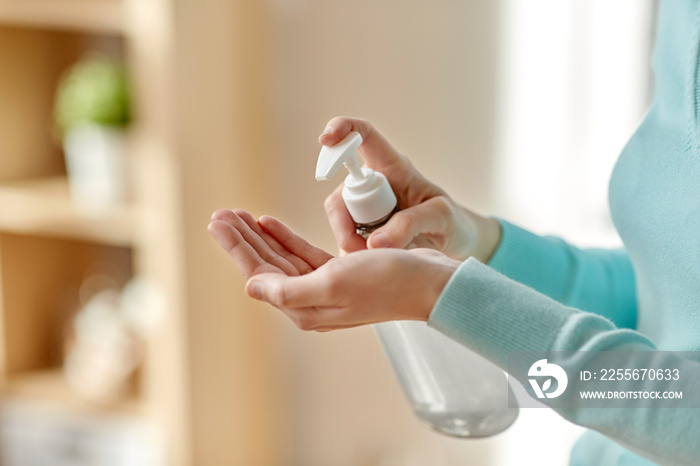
{"type": "Point", "coordinates": [540, 293]}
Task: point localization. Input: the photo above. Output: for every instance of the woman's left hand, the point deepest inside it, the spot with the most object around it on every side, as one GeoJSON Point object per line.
{"type": "Point", "coordinates": [320, 292]}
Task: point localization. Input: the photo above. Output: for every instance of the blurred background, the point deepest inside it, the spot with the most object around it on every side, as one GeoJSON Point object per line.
{"type": "Point", "coordinates": [125, 336]}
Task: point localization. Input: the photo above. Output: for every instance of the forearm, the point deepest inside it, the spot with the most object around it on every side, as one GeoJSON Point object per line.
{"type": "Point", "coordinates": [496, 317]}
{"type": "Point", "coordinates": [595, 280]}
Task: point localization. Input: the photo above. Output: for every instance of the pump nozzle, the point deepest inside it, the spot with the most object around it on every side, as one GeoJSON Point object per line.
{"type": "Point", "coordinates": [331, 158]}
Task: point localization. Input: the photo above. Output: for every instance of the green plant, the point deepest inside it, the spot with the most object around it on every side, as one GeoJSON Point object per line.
{"type": "Point", "coordinates": [94, 90]}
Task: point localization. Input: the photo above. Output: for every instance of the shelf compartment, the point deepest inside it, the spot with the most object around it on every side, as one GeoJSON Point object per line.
{"type": "Point", "coordinates": [99, 16]}
{"type": "Point", "coordinates": [43, 207]}
{"type": "Point", "coordinates": [42, 278]}
{"type": "Point", "coordinates": [33, 62]}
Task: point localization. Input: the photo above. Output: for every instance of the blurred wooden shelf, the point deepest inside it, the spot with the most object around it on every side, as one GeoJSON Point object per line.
{"type": "Point", "coordinates": [99, 16]}
{"type": "Point", "coordinates": [51, 386]}
{"type": "Point", "coordinates": [197, 382]}
{"type": "Point", "coordinates": [43, 207]}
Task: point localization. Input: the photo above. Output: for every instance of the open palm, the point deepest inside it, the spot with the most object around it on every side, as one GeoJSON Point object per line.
{"type": "Point", "coordinates": [320, 292]}
{"type": "Point", "coordinates": [264, 246]}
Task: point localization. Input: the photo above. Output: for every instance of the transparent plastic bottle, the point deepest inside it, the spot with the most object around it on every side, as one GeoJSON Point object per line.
{"type": "Point", "coordinates": [450, 388]}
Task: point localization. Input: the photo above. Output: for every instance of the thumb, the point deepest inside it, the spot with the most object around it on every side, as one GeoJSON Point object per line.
{"type": "Point", "coordinates": [425, 218]}
{"type": "Point", "coordinates": [283, 291]}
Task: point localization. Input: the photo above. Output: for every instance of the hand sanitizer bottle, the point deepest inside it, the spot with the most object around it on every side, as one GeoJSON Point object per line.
{"type": "Point", "coordinates": [450, 388]}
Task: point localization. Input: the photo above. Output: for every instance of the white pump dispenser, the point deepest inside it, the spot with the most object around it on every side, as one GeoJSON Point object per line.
{"type": "Point", "coordinates": [450, 388]}
{"type": "Point", "coordinates": [367, 194]}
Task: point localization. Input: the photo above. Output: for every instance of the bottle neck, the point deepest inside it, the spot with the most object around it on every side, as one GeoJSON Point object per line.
{"type": "Point", "coordinates": [366, 229]}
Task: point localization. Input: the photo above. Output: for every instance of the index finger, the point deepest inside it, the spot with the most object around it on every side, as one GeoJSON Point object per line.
{"type": "Point", "coordinates": [376, 150]}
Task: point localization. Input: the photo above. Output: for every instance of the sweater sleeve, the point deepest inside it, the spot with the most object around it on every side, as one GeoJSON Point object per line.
{"type": "Point", "coordinates": [494, 316]}
{"type": "Point", "coordinates": [595, 280]}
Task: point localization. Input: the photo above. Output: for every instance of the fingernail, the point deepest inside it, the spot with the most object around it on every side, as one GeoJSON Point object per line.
{"type": "Point", "coordinates": [328, 130]}
{"type": "Point", "coordinates": [380, 240]}
{"type": "Point", "coordinates": [255, 290]}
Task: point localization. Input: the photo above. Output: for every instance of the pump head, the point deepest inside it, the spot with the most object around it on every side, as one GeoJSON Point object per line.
{"type": "Point", "coordinates": [366, 193]}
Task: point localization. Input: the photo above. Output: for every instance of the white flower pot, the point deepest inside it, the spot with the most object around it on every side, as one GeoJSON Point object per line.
{"type": "Point", "coordinates": [96, 165]}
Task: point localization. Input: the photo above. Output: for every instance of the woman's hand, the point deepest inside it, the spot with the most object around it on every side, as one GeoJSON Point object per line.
{"type": "Point", "coordinates": [319, 292]}
{"type": "Point", "coordinates": [426, 209]}
{"type": "Point", "coordinates": [264, 246]}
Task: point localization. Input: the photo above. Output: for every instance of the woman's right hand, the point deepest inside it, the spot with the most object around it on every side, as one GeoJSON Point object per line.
{"type": "Point", "coordinates": [425, 208]}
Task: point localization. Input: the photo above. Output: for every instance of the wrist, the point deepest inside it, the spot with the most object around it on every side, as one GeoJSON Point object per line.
{"type": "Point", "coordinates": [489, 237]}
{"type": "Point", "coordinates": [438, 275]}
{"type": "Point", "coordinates": [475, 236]}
